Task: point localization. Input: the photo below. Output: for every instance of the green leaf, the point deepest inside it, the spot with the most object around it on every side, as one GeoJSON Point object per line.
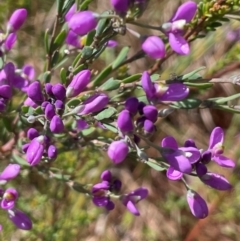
{"type": "Point", "coordinates": [59, 40]}
{"type": "Point", "coordinates": [1, 63]}
{"type": "Point", "coordinates": [76, 59]}
{"type": "Point", "coordinates": [25, 109]}
{"type": "Point", "coordinates": [155, 165]}
{"type": "Point", "coordinates": [78, 187]}
{"type": "Point", "coordinates": [227, 108]}
{"type": "Point", "coordinates": [38, 110]}
{"type": "Point", "coordinates": [111, 84]}
{"type": "Point", "coordinates": [191, 74]}
{"type": "Point", "coordinates": [121, 57]}
{"type": "Point", "coordinates": [103, 74]}
{"type": "Point", "coordinates": [102, 23]}
{"type": "Point", "coordinates": [105, 114]}
{"type": "Point", "coordinates": [47, 77]}
{"type": "Point", "coordinates": [89, 131]}
{"type": "Point", "coordinates": [226, 99]}
{"type": "Point", "coordinates": [63, 76]}
{"type": "Point", "coordinates": [84, 5]}
{"type": "Point", "coordinates": [55, 58]}
{"type": "Point", "coordinates": [87, 52]}
{"type": "Point", "coordinates": [79, 68]}
{"type": "Point", "coordinates": [90, 37]}
{"type": "Point", "coordinates": [73, 103]}
{"type": "Point", "coordinates": [46, 41]}
{"type": "Point", "coordinates": [132, 78]}
{"type": "Point", "coordinates": [20, 160]}
{"type": "Point", "coordinates": [199, 85]}
{"type": "Point", "coordinates": [187, 104]}
{"type": "Point", "coordinates": [110, 127]}
{"type": "Point", "coordinates": [60, 6]}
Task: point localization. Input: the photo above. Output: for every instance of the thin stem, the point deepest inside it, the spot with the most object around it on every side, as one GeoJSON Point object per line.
{"type": "Point", "coordinates": [147, 26]}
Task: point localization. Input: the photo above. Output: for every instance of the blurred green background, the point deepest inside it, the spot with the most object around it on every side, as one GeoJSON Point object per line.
{"type": "Point", "coordinates": [60, 214]}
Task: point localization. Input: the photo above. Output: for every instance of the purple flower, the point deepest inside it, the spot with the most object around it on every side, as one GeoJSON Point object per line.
{"type": "Point", "coordinates": [79, 83]}
{"type": "Point", "coordinates": [48, 89]}
{"type": "Point", "coordinates": [35, 151]}
{"type": "Point", "coordinates": [20, 219]}
{"type": "Point", "coordinates": [34, 92]}
{"type": "Point", "coordinates": [32, 133]}
{"type": "Point", "coordinates": [17, 19]}
{"type": "Point", "coordinates": [82, 125]}
{"type": "Point", "coordinates": [56, 124]}
{"type": "Point", "coordinates": [52, 152]}
{"type": "Point", "coordinates": [216, 181]}
{"type": "Point", "coordinates": [201, 169]}
{"type": "Point", "coordinates": [197, 204]}
{"type": "Point", "coordinates": [10, 172]}
{"type": "Point", "coordinates": [216, 147]}
{"type": "Point", "coordinates": [83, 22]}
{"type": "Point", "coordinates": [157, 92]}
{"type": "Point", "coordinates": [73, 39]}
{"type": "Point", "coordinates": [10, 41]}
{"type": "Point", "coordinates": [173, 174]}
{"type": "Point", "coordinates": [112, 43]}
{"type": "Point", "coordinates": [154, 47]}
{"type": "Point", "coordinates": [117, 151]}
{"type": "Point", "coordinates": [174, 28]}
{"type": "Point", "coordinates": [70, 12]}
{"type": "Point", "coordinates": [150, 112]}
{"type": "Point", "coordinates": [131, 105]}
{"type": "Point", "coordinates": [9, 198]}
{"type": "Point", "coordinates": [59, 105]}
{"type": "Point", "coordinates": [49, 111]}
{"type": "Point", "coordinates": [30, 102]}
{"type": "Point", "coordinates": [148, 127]}
{"type": "Point", "coordinates": [130, 200]}
{"type": "Point", "coordinates": [120, 6]}
{"type": "Point", "coordinates": [6, 91]}
{"type": "Point", "coordinates": [94, 103]}
{"type": "Point", "coordinates": [59, 91]}
{"type": "Point", "coordinates": [124, 122]}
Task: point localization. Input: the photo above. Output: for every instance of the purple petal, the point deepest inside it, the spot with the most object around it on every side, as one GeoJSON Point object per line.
{"type": "Point", "coordinates": [216, 181]}
{"type": "Point", "coordinates": [179, 44]}
{"type": "Point", "coordinates": [110, 205]}
{"type": "Point", "coordinates": [140, 192]}
{"type": "Point", "coordinates": [106, 176]}
{"type": "Point", "coordinates": [100, 186]}
{"type": "Point", "coordinates": [192, 154]}
{"type": "Point", "coordinates": [29, 71]}
{"type": "Point", "coordinates": [112, 43]}
{"type": "Point", "coordinates": [124, 122]}
{"type": "Point", "coordinates": [173, 174]}
{"type": "Point", "coordinates": [100, 201]}
{"type": "Point", "coordinates": [73, 39]}
{"type": "Point", "coordinates": [217, 136]}
{"type": "Point", "coordinates": [20, 219]}
{"type": "Point", "coordinates": [169, 142]}
{"type": "Point", "coordinates": [197, 204]}
{"type": "Point", "coordinates": [185, 11]}
{"type": "Point", "coordinates": [10, 172]}
{"type": "Point", "coordinates": [132, 208]}
{"type": "Point", "coordinates": [224, 161]}
{"type": "Point", "coordinates": [175, 92]}
{"type": "Point", "coordinates": [82, 125]}
{"type": "Point", "coordinates": [147, 85]}
{"type": "Point", "coordinates": [201, 169]}
{"type": "Point", "coordinates": [154, 47]}
{"type": "Point", "coordinates": [10, 41]}
{"type": "Point", "coordinates": [179, 162]}
{"type": "Point", "coordinates": [117, 151]}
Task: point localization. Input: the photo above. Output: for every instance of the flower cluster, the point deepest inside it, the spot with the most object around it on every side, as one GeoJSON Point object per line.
{"type": "Point", "coordinates": [103, 191]}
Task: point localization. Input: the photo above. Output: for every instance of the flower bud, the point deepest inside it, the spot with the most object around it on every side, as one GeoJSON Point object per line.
{"type": "Point", "coordinates": [34, 92]}
{"type": "Point", "coordinates": [49, 111]}
{"type": "Point", "coordinates": [131, 105]}
{"type": "Point", "coordinates": [59, 91]}
{"type": "Point", "coordinates": [117, 151]}
{"type": "Point", "coordinates": [149, 127]}
{"type": "Point", "coordinates": [17, 19]}
{"type": "Point", "coordinates": [197, 204]}
{"type": "Point", "coordinates": [82, 125]}
{"type": "Point", "coordinates": [154, 47]}
{"type": "Point", "coordinates": [20, 219]}
{"type": "Point", "coordinates": [35, 151]}
{"type": "Point", "coordinates": [6, 91]}
{"type": "Point", "coordinates": [124, 122]}
{"type": "Point", "coordinates": [216, 181]}
{"type": "Point", "coordinates": [10, 41]}
{"type": "Point", "coordinates": [10, 172]}
{"type": "Point", "coordinates": [82, 22]}
{"type": "Point", "coordinates": [150, 112]}
{"type": "Point", "coordinates": [94, 103]}
{"type": "Point", "coordinates": [48, 89]}
{"type": "Point", "coordinates": [56, 124]}
{"type": "Point", "coordinates": [140, 107]}
{"type": "Point", "coordinates": [120, 6]}
{"type": "Point", "coordinates": [73, 39]}
{"type": "Point", "coordinates": [206, 157]}
{"type": "Point", "coordinates": [106, 176]}
{"type": "Point", "coordinates": [201, 169]}
{"type": "Point", "coordinates": [32, 133]}
{"type": "Point", "coordinates": [9, 198]}
{"type": "Point", "coordinates": [52, 152]}
{"type": "Point", "coordinates": [79, 83]}
{"type": "Point", "coordinates": [59, 105]}
{"type": "Point", "coordinates": [148, 85]}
